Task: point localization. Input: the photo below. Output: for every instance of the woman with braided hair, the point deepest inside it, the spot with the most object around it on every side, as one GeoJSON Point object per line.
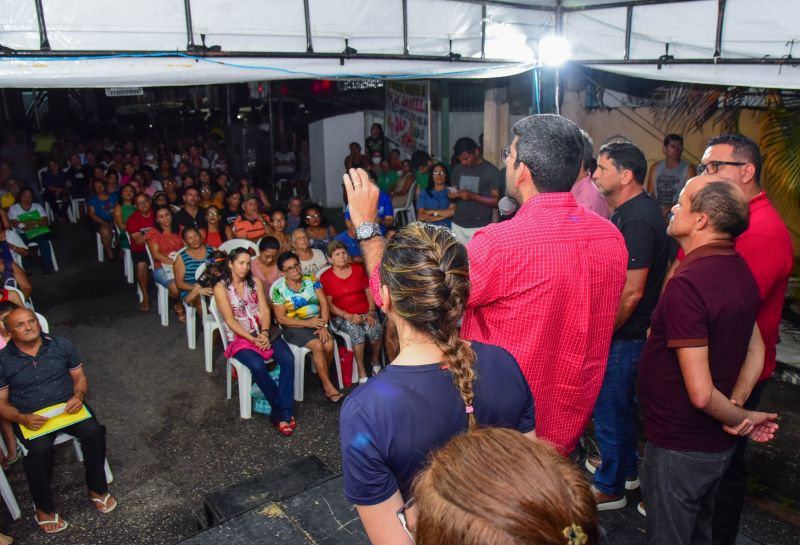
{"type": "Point", "coordinates": [438, 386]}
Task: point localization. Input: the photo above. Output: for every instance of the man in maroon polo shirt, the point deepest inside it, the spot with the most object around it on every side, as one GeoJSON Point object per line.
{"type": "Point", "coordinates": [704, 349]}
{"type": "Point", "coordinates": [767, 249]}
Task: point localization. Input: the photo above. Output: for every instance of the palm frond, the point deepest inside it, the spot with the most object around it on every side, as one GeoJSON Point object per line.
{"type": "Point", "coordinates": [780, 142]}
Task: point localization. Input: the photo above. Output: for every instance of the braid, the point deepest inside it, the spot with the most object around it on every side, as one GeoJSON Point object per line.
{"type": "Point", "coordinates": [427, 272]}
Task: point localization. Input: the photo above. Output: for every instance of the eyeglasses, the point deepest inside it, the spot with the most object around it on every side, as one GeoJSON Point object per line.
{"type": "Point", "coordinates": [212, 214]}
{"type": "Point", "coordinates": [712, 167]}
{"type": "Point", "coordinates": [295, 267]}
{"type": "Point", "coordinates": [312, 217]}
{"type": "Point", "coordinates": [505, 153]}
{"type": "Point", "coordinates": [439, 173]}
{"type": "Point", "coordinates": [401, 515]}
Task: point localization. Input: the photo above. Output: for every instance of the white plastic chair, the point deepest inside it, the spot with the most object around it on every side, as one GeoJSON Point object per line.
{"type": "Point", "coordinates": [245, 377]}
{"type": "Point", "coordinates": [5, 489]}
{"type": "Point", "coordinates": [127, 259]}
{"type": "Point", "coordinates": [348, 342]}
{"type": "Point", "coordinates": [229, 245]}
{"type": "Point", "coordinates": [75, 208]}
{"type": "Point", "coordinates": [52, 253]}
{"type": "Point", "coordinates": [209, 325]}
{"type": "Point", "coordinates": [43, 323]}
{"type": "Point", "coordinates": [300, 353]}
{"type": "Point", "coordinates": [11, 285]}
{"type": "Point", "coordinates": [76, 444]}
{"type": "Point", "coordinates": [162, 293]}
{"type": "Point", "coordinates": [409, 214]}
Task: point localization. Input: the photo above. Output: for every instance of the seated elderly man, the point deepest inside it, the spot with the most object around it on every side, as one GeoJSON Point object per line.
{"type": "Point", "coordinates": [37, 371]}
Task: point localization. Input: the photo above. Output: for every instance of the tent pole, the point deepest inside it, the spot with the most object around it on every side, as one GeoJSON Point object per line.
{"type": "Point", "coordinates": [307, 16]}
{"type": "Point", "coordinates": [628, 25]}
{"type": "Point", "coordinates": [189, 30]}
{"type": "Point", "coordinates": [483, 31]}
{"type": "Point", "coordinates": [720, 20]}
{"type": "Point", "coordinates": [228, 102]}
{"type": "Point", "coordinates": [44, 43]}
{"type": "Point", "coordinates": [6, 115]}
{"type": "Point", "coordinates": [405, 27]}
{"type": "Point", "coordinates": [559, 32]}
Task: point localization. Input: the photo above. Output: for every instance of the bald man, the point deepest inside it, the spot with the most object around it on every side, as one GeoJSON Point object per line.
{"type": "Point", "coordinates": [37, 371]}
{"type": "Point", "coordinates": [704, 350]}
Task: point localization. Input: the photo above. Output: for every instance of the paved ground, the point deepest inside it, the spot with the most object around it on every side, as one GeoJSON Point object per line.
{"type": "Point", "coordinates": [172, 435]}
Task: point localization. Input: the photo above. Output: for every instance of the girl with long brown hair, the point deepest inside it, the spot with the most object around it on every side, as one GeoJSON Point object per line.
{"type": "Point", "coordinates": [493, 486]}
{"type": "Point", "coordinates": [438, 386]}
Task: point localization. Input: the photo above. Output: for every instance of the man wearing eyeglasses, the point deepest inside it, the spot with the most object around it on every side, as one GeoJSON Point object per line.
{"type": "Point", "coordinates": [767, 249]}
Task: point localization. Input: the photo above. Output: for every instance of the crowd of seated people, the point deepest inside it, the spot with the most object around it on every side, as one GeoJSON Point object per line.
{"type": "Point", "coordinates": [427, 281]}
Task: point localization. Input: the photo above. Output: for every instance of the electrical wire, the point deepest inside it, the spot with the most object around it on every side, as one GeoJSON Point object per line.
{"type": "Point", "coordinates": [523, 66]}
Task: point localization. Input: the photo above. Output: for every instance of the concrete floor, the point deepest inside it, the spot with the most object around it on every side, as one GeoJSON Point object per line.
{"type": "Point", "coordinates": [172, 435]}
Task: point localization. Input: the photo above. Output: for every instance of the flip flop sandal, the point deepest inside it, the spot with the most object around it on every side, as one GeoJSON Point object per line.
{"type": "Point", "coordinates": [293, 423]}
{"type": "Point", "coordinates": [104, 503]}
{"type": "Point", "coordinates": [284, 428]}
{"type": "Point", "coordinates": [57, 521]}
{"type": "Point", "coordinates": [335, 398]}
{"type": "Point", "coordinates": [11, 461]}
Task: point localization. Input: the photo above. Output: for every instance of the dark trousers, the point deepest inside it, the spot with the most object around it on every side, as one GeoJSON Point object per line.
{"type": "Point", "coordinates": [679, 489]}
{"type": "Point", "coordinates": [730, 498]}
{"type": "Point", "coordinates": [38, 463]}
{"type": "Point", "coordinates": [281, 395]}
{"type": "Point", "coordinates": [59, 208]}
{"type": "Point", "coordinates": [45, 249]}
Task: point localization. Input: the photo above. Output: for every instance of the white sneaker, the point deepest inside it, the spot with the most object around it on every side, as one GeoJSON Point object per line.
{"type": "Point", "coordinates": [376, 369]}
{"type": "Point", "coordinates": [362, 380]}
{"type": "Point", "coordinates": [592, 463]}
{"type": "Point", "coordinates": [641, 508]}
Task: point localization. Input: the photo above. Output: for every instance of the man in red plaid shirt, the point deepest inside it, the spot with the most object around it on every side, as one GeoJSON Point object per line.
{"type": "Point", "coordinates": [545, 284]}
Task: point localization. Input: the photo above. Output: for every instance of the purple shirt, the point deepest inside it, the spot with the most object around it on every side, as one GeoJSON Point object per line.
{"type": "Point", "coordinates": [711, 300]}
{"type": "Point", "coordinates": [589, 197]}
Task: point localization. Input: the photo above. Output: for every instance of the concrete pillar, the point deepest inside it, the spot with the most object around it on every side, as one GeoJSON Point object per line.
{"type": "Point", "coordinates": [495, 122]}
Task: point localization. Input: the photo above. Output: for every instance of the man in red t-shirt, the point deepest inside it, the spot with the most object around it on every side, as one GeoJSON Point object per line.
{"type": "Point", "coordinates": [767, 249]}
{"type": "Point", "coordinates": [703, 350]}
{"type": "Point", "coordinates": [137, 226]}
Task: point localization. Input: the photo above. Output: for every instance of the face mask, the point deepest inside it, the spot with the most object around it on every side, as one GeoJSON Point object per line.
{"type": "Point", "coordinates": [376, 160]}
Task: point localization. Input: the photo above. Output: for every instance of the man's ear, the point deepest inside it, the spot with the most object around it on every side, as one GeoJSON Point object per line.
{"type": "Point", "coordinates": [701, 221]}
{"type": "Point", "coordinates": [749, 173]}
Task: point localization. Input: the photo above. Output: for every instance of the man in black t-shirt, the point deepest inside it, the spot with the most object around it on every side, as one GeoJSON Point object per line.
{"type": "Point", "coordinates": [621, 170]}
{"type": "Point", "coordinates": [191, 215]}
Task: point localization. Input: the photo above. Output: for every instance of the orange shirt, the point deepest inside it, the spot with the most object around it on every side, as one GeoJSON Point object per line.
{"type": "Point", "coordinates": [251, 229]}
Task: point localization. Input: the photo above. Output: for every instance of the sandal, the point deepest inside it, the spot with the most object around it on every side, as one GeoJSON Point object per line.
{"type": "Point", "coordinates": [144, 306]}
{"type": "Point", "coordinates": [103, 503]}
{"type": "Point", "coordinates": [335, 398]}
{"type": "Point", "coordinates": [10, 461]}
{"type": "Point", "coordinates": [284, 428]}
{"type": "Point", "coordinates": [181, 312]}
{"type": "Point", "coordinates": [60, 523]}
{"type": "Point", "coordinates": [293, 423]}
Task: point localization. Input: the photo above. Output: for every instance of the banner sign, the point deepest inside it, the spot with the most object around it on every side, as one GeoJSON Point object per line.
{"type": "Point", "coordinates": [407, 116]}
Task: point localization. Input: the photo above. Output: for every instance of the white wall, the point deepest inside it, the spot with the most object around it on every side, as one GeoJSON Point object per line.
{"type": "Point", "coordinates": [328, 141]}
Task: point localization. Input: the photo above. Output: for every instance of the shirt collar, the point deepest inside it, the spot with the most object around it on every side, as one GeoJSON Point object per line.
{"type": "Point", "coordinates": [707, 250]}
{"type": "Point", "coordinates": [550, 200]}
{"type": "Point", "coordinates": [12, 346]}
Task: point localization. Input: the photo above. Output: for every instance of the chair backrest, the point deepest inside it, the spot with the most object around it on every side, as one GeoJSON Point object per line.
{"type": "Point", "coordinates": [149, 256]}
{"type": "Point", "coordinates": [234, 243]}
{"type": "Point", "coordinates": [11, 285]}
{"type": "Point", "coordinates": [215, 313]}
{"type": "Point", "coordinates": [203, 305]}
{"type": "Point", "coordinates": [43, 323]}
{"type": "Point", "coordinates": [322, 270]}
{"type": "Point", "coordinates": [410, 196]}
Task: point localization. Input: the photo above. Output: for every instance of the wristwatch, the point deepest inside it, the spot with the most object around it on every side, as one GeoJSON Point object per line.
{"type": "Point", "coordinates": [366, 231]}
{"type": "Point", "coordinates": [435, 214]}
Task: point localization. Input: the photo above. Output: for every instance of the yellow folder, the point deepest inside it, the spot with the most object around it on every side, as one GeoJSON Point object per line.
{"type": "Point", "coordinates": [58, 419]}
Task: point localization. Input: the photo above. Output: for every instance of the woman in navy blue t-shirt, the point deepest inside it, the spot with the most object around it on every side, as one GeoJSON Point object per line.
{"type": "Point", "coordinates": [438, 386]}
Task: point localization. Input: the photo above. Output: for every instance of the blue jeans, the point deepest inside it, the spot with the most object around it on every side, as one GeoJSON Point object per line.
{"type": "Point", "coordinates": [160, 276]}
{"type": "Point", "coordinates": [281, 395]}
{"type": "Point", "coordinates": [615, 415]}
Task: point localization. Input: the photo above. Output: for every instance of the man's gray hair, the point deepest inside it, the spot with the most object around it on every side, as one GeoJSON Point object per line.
{"type": "Point", "coordinates": [727, 211]}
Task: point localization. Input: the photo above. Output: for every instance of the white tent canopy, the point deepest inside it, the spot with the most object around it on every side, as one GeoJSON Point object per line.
{"type": "Point", "coordinates": [106, 43]}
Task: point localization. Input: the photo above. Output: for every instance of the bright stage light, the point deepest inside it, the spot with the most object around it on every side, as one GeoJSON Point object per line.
{"type": "Point", "coordinates": [553, 50]}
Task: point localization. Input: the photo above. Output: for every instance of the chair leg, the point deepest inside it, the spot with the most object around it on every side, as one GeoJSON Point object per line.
{"type": "Point", "coordinates": [53, 257]}
{"type": "Point", "coordinates": [8, 497]}
{"type": "Point", "coordinates": [163, 303]}
{"type": "Point", "coordinates": [338, 364]}
{"type": "Point", "coordinates": [245, 379]}
{"type": "Point", "coordinates": [208, 346]}
{"type": "Point", "coordinates": [299, 358]}
{"type": "Point", "coordinates": [229, 374]}
{"type": "Point", "coordinates": [127, 261]}
{"type": "Point", "coordinates": [109, 476]}
{"type": "Point", "coordinates": [191, 323]}
{"type": "Point", "coordinates": [78, 450]}
{"type": "Point", "coordinates": [100, 253]}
